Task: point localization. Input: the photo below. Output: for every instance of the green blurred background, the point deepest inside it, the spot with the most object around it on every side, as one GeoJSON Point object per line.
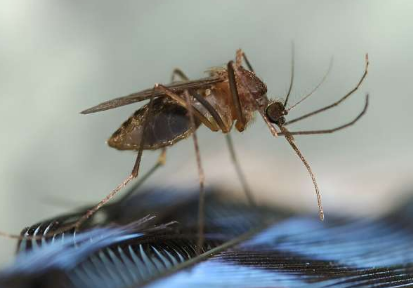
{"type": "Point", "coordinates": [60, 57]}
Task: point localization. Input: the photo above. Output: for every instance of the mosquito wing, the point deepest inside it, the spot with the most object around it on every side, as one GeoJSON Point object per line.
{"type": "Point", "coordinates": [146, 94]}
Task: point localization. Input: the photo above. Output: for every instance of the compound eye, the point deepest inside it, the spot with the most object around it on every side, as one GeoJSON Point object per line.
{"type": "Point", "coordinates": [269, 114]}
{"type": "Point", "coordinates": [275, 111]}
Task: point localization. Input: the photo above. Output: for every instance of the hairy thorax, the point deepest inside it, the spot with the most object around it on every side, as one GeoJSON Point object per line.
{"type": "Point", "coordinates": [251, 92]}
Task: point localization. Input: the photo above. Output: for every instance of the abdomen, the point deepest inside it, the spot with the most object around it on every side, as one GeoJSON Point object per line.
{"type": "Point", "coordinates": [168, 123]}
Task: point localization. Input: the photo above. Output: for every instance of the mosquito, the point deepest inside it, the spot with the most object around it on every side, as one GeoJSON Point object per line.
{"type": "Point", "coordinates": [229, 97]}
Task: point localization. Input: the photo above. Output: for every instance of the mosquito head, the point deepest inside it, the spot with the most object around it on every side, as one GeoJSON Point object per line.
{"type": "Point", "coordinates": [275, 112]}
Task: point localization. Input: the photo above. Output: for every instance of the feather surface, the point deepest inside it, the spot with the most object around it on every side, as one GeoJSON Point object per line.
{"type": "Point", "coordinates": [285, 250]}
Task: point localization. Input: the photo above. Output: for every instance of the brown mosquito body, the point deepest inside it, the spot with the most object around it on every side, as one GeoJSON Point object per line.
{"type": "Point", "coordinates": [228, 98]}
{"type": "Point", "coordinates": [170, 121]}
{"type": "Point", "coordinates": [224, 101]}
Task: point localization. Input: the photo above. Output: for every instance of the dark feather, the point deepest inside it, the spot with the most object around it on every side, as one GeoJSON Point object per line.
{"type": "Point", "coordinates": [292, 251]}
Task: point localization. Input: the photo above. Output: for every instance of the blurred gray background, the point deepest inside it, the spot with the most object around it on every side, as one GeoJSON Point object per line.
{"type": "Point", "coordinates": [60, 57]}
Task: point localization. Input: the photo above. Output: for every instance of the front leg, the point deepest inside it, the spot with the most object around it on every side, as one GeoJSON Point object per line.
{"type": "Point", "coordinates": [241, 122]}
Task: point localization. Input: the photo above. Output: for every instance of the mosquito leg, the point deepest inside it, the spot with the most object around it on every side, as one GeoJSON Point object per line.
{"type": "Point", "coordinates": [201, 207]}
{"type": "Point", "coordinates": [202, 101]}
{"type": "Point", "coordinates": [214, 113]}
{"type": "Point", "coordinates": [135, 170]}
{"type": "Point", "coordinates": [327, 131]}
{"type": "Point", "coordinates": [179, 100]}
{"type": "Point", "coordinates": [112, 194]}
{"type": "Point", "coordinates": [337, 102]}
{"type": "Point", "coordinates": [160, 162]}
{"type": "Point", "coordinates": [218, 120]}
{"type": "Point", "coordinates": [226, 130]}
{"type": "Point", "coordinates": [178, 73]}
{"type": "Point", "coordinates": [194, 112]}
{"type": "Point", "coordinates": [290, 140]}
{"type": "Point", "coordinates": [238, 59]}
{"type": "Point", "coordinates": [162, 158]}
{"type": "Point", "coordinates": [89, 213]}
{"type": "Point", "coordinates": [240, 173]}
{"type": "Point", "coordinates": [134, 173]}
{"type": "Point", "coordinates": [235, 96]}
